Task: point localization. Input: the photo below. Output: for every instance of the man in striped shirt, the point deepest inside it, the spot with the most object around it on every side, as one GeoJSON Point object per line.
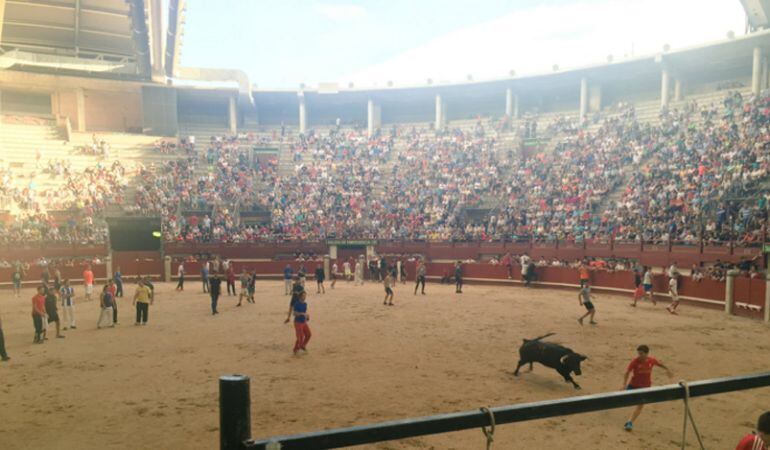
{"type": "Point", "coordinates": [759, 440]}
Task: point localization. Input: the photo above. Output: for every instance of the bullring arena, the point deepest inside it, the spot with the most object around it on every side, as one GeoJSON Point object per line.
{"type": "Point", "coordinates": [426, 355]}
{"type": "Point", "coordinates": [163, 225]}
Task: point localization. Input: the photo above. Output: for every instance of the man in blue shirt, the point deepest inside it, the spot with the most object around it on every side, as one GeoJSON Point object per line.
{"type": "Point", "coordinates": [288, 274]}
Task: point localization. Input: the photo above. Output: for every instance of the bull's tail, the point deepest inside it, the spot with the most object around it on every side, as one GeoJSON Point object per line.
{"type": "Point", "coordinates": [539, 337]}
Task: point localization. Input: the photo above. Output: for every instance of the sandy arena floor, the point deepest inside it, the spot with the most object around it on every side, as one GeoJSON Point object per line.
{"type": "Point", "coordinates": [155, 387]}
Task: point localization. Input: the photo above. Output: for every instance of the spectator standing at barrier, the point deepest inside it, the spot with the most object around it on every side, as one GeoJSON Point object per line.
{"type": "Point", "coordinates": [67, 294]}
{"type": "Point", "coordinates": [320, 276]}
{"type": "Point", "coordinates": [142, 300]}
{"type": "Point", "coordinates": [230, 273]}
{"type": "Point", "coordinates": [760, 439]}
{"type": "Point", "coordinates": [420, 276]}
{"type": "Point", "coordinates": [640, 370]}
{"type": "Point", "coordinates": [215, 288]}
{"type": "Point", "coordinates": [584, 297]}
{"type": "Point", "coordinates": [3, 354]}
{"type": "Point", "coordinates": [524, 262]}
{"type": "Point", "coordinates": [38, 314]}
{"type": "Point", "coordinates": [88, 280]}
{"type": "Point", "coordinates": [288, 275]}
{"type": "Point", "coordinates": [458, 277]}
{"type": "Point", "coordinates": [52, 310]}
{"type": "Point", "coordinates": [16, 279]}
{"type": "Point", "coordinates": [118, 278]}
{"type": "Point", "coordinates": [106, 303]}
{"type": "Point", "coordinates": [205, 276]}
{"type": "Point", "coordinates": [301, 319]}
{"type": "Point", "coordinates": [180, 275]}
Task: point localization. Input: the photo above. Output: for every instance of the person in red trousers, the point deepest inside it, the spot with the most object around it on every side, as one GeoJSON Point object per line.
{"type": "Point", "coordinates": [301, 319]}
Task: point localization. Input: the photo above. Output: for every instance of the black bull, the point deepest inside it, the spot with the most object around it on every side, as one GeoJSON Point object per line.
{"type": "Point", "coordinates": [555, 356]}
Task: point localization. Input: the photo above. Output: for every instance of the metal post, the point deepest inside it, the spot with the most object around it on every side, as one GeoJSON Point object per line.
{"type": "Point", "coordinates": [234, 411]}
{"type": "Point", "coordinates": [730, 291]}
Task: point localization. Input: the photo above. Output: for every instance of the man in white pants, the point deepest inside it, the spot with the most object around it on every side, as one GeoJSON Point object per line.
{"type": "Point", "coordinates": [67, 294]}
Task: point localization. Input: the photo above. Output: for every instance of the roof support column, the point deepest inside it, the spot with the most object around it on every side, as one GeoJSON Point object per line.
{"type": "Point", "coordinates": [373, 117]}
{"type": "Point", "coordinates": [665, 81]}
{"type": "Point", "coordinates": [509, 102]}
{"type": "Point", "coordinates": [756, 71]}
{"type": "Point", "coordinates": [302, 113]}
{"type": "Point", "coordinates": [763, 80]}
{"type": "Point", "coordinates": [583, 97]}
{"type": "Point", "coordinates": [156, 37]}
{"type": "Point", "coordinates": [80, 100]}
{"type": "Point", "coordinates": [440, 112]}
{"type": "Point", "coordinates": [233, 114]}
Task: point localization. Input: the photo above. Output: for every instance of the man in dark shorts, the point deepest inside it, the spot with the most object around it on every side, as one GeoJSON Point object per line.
{"type": "Point", "coordinates": [319, 279]}
{"type": "Point", "coordinates": [585, 300]}
{"type": "Point", "coordinates": [641, 368]}
{"type": "Point", "coordinates": [251, 286]}
{"type": "Point", "coordinates": [52, 311]}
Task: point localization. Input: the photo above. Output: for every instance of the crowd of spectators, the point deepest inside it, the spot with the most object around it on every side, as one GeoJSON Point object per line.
{"type": "Point", "coordinates": [694, 175]}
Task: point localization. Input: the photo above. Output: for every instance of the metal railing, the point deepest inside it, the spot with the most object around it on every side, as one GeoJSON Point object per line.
{"type": "Point", "coordinates": [235, 415]}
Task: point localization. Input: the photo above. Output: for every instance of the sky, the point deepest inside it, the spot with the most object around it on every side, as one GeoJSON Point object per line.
{"type": "Point", "coordinates": [283, 43]}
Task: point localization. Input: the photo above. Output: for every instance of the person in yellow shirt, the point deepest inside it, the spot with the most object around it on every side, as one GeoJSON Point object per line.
{"type": "Point", "coordinates": [142, 299]}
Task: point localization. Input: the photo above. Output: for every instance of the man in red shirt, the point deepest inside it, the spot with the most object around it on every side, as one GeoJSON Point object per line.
{"type": "Point", "coordinates": [641, 368]}
{"type": "Point", "coordinates": [759, 440]}
{"type": "Point", "coordinates": [38, 314]}
{"type": "Point", "coordinates": [88, 280]}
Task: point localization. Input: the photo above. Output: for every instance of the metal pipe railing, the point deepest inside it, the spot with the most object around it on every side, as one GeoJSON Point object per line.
{"type": "Point", "coordinates": [236, 424]}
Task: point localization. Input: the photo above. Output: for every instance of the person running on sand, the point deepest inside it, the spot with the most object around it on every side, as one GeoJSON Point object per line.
{"type": "Point", "coordinates": [584, 297]}
{"type": "Point", "coordinates": [640, 370]}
